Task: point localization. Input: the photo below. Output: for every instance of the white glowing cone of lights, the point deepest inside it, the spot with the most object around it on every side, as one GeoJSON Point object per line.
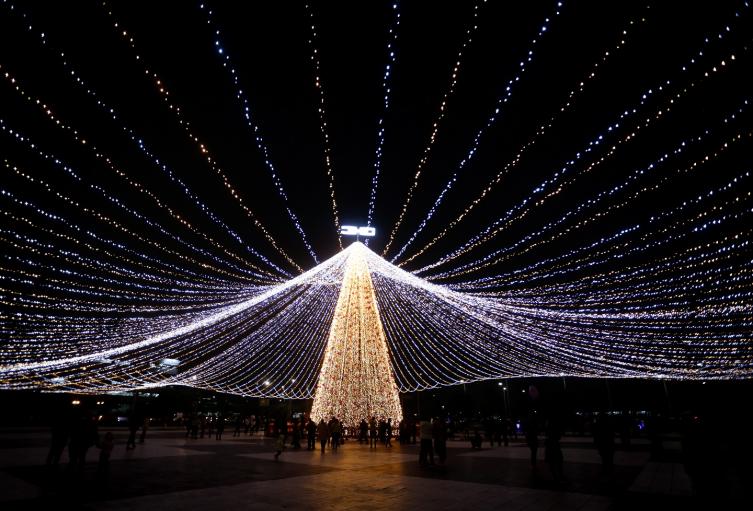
{"type": "Point", "coordinates": [356, 380]}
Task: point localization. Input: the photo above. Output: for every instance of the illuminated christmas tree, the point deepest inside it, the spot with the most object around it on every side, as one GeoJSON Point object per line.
{"type": "Point", "coordinates": [356, 380]}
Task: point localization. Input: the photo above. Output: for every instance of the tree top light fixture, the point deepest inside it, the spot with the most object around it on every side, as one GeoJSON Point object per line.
{"type": "Point", "coordinates": [351, 230]}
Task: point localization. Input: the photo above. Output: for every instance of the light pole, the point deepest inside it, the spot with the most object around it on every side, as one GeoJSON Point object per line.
{"type": "Point", "coordinates": [505, 398]}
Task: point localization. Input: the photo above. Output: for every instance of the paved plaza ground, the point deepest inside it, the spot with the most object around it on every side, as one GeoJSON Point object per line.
{"type": "Point", "coordinates": [171, 472]}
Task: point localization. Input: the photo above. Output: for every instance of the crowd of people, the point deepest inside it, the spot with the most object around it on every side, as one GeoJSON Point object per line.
{"type": "Point", "coordinates": [79, 433]}
{"type": "Point", "coordinates": [433, 434]}
{"type": "Point", "coordinates": [332, 434]}
{"type": "Point", "coordinates": [373, 432]}
{"type": "Point", "coordinates": [199, 426]}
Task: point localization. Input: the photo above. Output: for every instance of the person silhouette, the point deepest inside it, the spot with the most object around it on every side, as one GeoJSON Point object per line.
{"type": "Point", "coordinates": [323, 431]}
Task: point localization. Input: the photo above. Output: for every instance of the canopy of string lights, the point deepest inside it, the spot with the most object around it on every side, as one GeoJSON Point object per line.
{"type": "Point", "coordinates": [136, 256]}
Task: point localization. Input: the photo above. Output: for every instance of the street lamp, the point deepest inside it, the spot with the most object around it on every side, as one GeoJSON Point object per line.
{"type": "Point", "coordinates": [505, 398]}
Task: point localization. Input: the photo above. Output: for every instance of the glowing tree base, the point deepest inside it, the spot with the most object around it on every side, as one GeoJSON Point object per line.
{"type": "Point", "coordinates": [356, 380]}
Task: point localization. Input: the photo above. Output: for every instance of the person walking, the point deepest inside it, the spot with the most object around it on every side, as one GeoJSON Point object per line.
{"type": "Point", "coordinates": [388, 433]}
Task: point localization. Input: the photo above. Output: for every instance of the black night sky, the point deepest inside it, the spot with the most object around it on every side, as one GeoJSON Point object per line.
{"type": "Point", "coordinates": [269, 50]}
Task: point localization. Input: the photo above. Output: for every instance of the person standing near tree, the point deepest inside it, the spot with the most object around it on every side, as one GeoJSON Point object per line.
{"type": "Point", "coordinates": [372, 433]}
{"type": "Point", "coordinates": [426, 450]}
{"type": "Point", "coordinates": [439, 436]}
{"type": "Point", "coordinates": [336, 432]}
{"type": "Point", "coordinates": [388, 433]}
{"type": "Point", "coordinates": [311, 435]}
{"type": "Point", "coordinates": [323, 431]}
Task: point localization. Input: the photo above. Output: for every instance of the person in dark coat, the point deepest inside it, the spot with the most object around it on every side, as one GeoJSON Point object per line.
{"type": "Point", "coordinates": [296, 435]}
{"type": "Point", "coordinates": [336, 432]}
{"type": "Point", "coordinates": [373, 432]}
{"type": "Point", "coordinates": [134, 422]}
{"type": "Point", "coordinates": [439, 436]}
{"type": "Point", "coordinates": [323, 431]}
{"type": "Point", "coordinates": [426, 449]}
{"type": "Point", "coordinates": [604, 439]}
{"type": "Point", "coordinates": [105, 450]}
{"type": "Point", "coordinates": [311, 435]}
{"type": "Point", "coordinates": [83, 435]}
{"type": "Point", "coordinates": [220, 427]}
{"type": "Point", "coordinates": [144, 427]}
{"type": "Point", "coordinates": [60, 432]}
